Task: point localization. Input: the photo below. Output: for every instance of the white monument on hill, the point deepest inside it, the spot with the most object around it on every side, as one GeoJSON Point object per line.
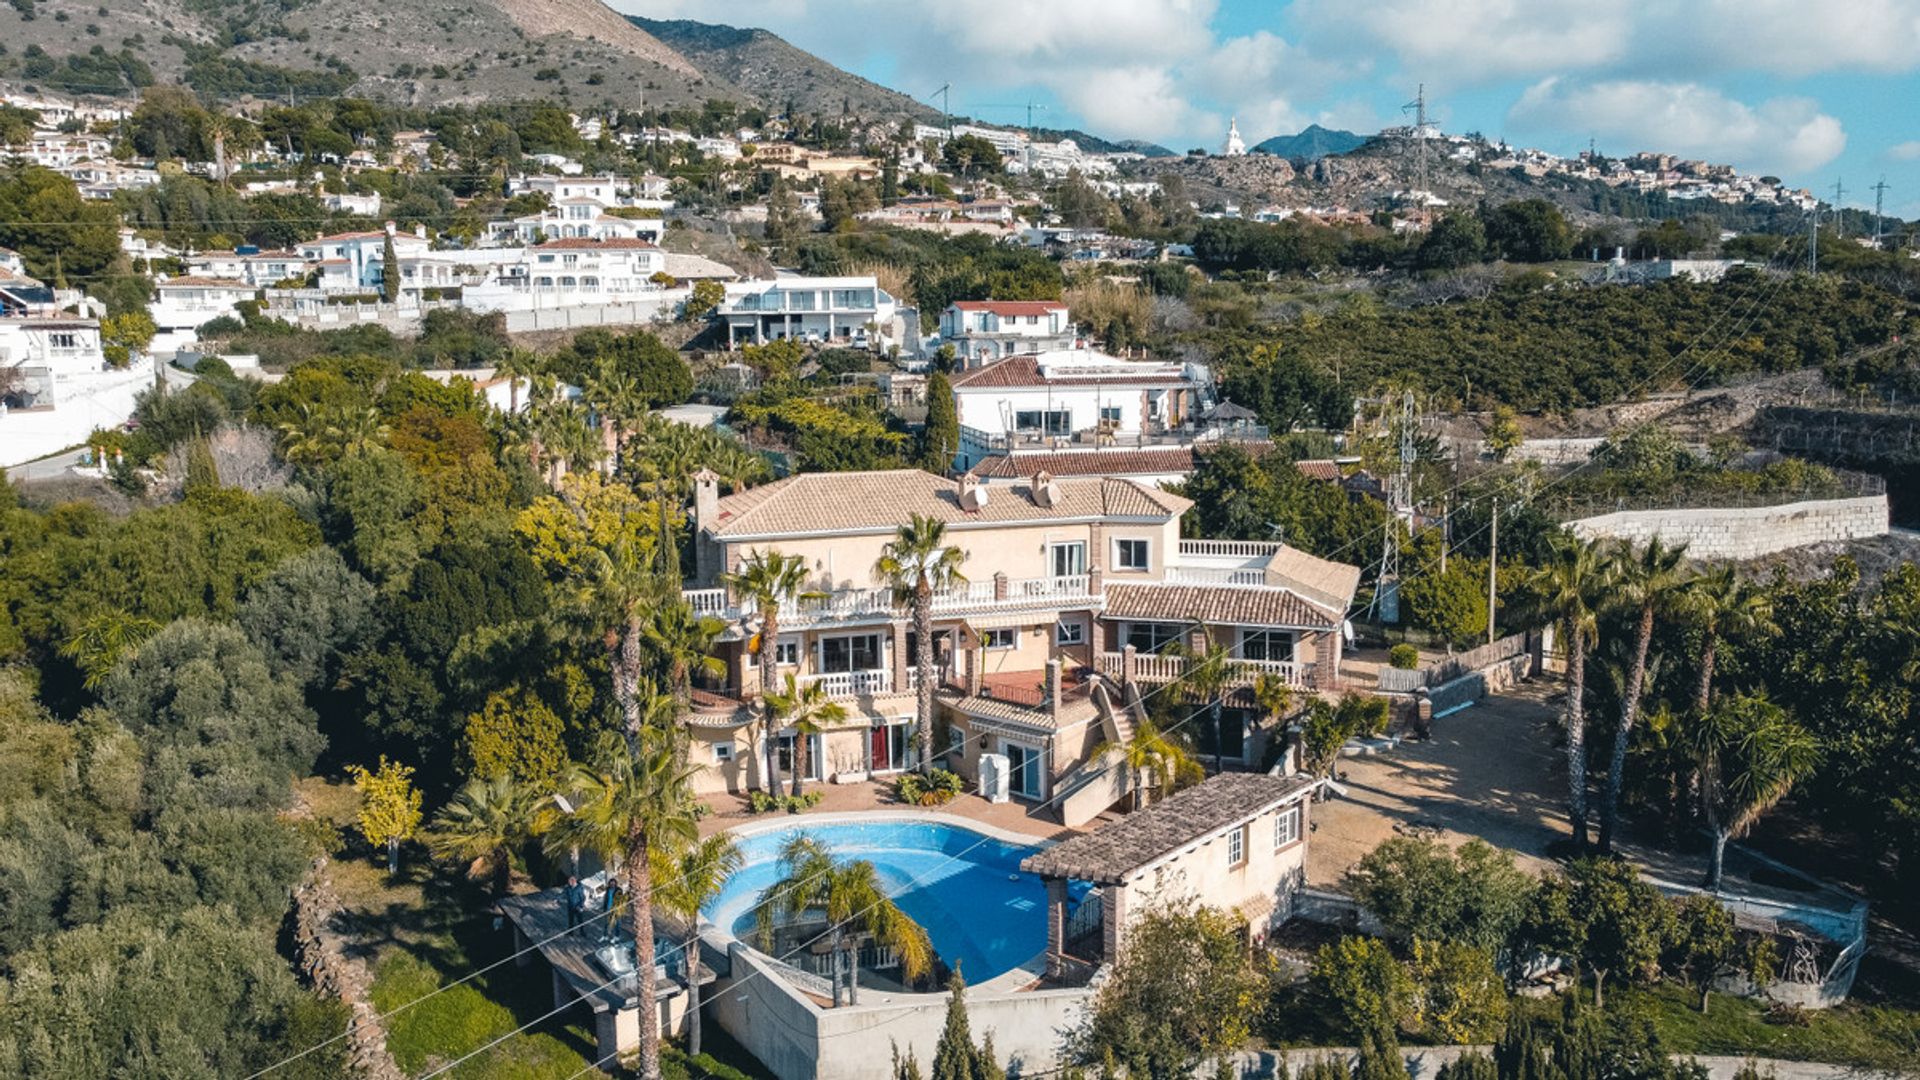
{"type": "Point", "coordinates": [1235, 145]}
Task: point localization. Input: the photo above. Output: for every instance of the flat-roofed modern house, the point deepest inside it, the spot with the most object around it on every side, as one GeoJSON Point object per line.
{"type": "Point", "coordinates": [1076, 589]}
{"type": "Point", "coordinates": [831, 310]}
{"type": "Point", "coordinates": [1077, 399]}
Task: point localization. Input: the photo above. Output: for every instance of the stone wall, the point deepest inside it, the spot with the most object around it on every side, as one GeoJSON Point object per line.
{"type": "Point", "coordinates": [321, 953]}
{"type": "Point", "coordinates": [1748, 532]}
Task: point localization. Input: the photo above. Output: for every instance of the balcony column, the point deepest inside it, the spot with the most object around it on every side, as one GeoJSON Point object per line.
{"type": "Point", "coordinates": [1053, 688]}
{"type": "Point", "coordinates": [1056, 927]}
{"type": "Point", "coordinates": [976, 666]}
{"type": "Point", "coordinates": [1129, 659]}
{"type": "Point", "coordinates": [902, 661]}
{"type": "Point", "coordinates": [1326, 667]}
{"type": "Point", "coordinates": [1113, 917]}
{"type": "Point", "coordinates": [999, 586]}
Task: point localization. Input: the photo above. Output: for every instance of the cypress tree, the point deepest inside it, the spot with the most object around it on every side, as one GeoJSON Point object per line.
{"type": "Point", "coordinates": [389, 271]}
{"type": "Point", "coordinates": [1469, 1066]}
{"type": "Point", "coordinates": [1380, 1057]}
{"type": "Point", "coordinates": [940, 439]}
{"type": "Point", "coordinates": [956, 1058]}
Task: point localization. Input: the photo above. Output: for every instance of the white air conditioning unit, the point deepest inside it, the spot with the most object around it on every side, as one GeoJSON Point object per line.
{"type": "Point", "coordinates": [995, 775]}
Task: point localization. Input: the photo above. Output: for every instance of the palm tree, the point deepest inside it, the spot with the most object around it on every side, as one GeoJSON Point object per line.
{"type": "Point", "coordinates": [805, 709]}
{"type": "Point", "coordinates": [1570, 589]}
{"type": "Point", "coordinates": [1722, 606]}
{"type": "Point", "coordinates": [1273, 697]}
{"type": "Point", "coordinates": [618, 403]}
{"type": "Point", "coordinates": [1208, 673]}
{"type": "Point", "coordinates": [683, 639]}
{"type": "Point", "coordinates": [481, 826]}
{"type": "Point", "coordinates": [854, 904]}
{"type": "Point", "coordinates": [516, 365]}
{"type": "Point", "coordinates": [103, 640]}
{"type": "Point", "coordinates": [688, 884]}
{"type": "Point", "coordinates": [772, 581]}
{"type": "Point", "coordinates": [618, 590]}
{"type": "Point", "coordinates": [1649, 582]}
{"type": "Point", "coordinates": [1750, 754]}
{"type": "Point", "coordinates": [631, 807]}
{"type": "Point", "coordinates": [916, 564]}
{"type": "Point", "coordinates": [1149, 753]}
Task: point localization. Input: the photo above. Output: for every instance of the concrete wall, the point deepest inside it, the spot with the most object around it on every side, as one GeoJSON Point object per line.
{"type": "Point", "coordinates": [97, 400]}
{"type": "Point", "coordinates": [564, 318]}
{"type": "Point", "coordinates": [797, 1040]}
{"type": "Point", "coordinates": [1745, 533]}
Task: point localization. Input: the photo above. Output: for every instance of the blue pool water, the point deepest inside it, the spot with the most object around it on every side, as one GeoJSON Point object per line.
{"type": "Point", "coordinates": [966, 888]}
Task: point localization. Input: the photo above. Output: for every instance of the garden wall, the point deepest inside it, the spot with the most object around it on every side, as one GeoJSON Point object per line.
{"type": "Point", "coordinates": [1746, 532]}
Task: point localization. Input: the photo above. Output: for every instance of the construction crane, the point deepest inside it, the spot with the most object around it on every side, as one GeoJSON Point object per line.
{"type": "Point", "coordinates": [946, 106]}
{"type": "Point", "coordinates": [1030, 106]}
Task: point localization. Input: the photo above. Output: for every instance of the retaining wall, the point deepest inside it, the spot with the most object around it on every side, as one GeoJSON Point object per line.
{"type": "Point", "coordinates": [1747, 532]}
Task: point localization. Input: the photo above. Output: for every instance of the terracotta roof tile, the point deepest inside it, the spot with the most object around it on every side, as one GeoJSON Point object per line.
{"type": "Point", "coordinates": [1024, 370]}
{"type": "Point", "coordinates": [1112, 852]}
{"type": "Point", "coordinates": [1319, 469]}
{"type": "Point", "coordinates": [1173, 459]}
{"type": "Point", "coordinates": [851, 502]}
{"type": "Point", "coordinates": [1224, 605]}
{"type": "Point", "coordinates": [1011, 307]}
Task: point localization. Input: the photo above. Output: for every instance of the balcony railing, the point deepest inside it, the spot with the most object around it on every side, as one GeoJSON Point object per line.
{"type": "Point", "coordinates": [1214, 575]}
{"type": "Point", "coordinates": [1152, 667]}
{"type": "Point", "coordinates": [1233, 549]}
{"type": "Point", "coordinates": [842, 604]}
{"type": "Point", "coordinates": [846, 684]}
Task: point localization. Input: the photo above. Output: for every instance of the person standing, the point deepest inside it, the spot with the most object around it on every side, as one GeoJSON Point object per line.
{"type": "Point", "coordinates": [576, 902]}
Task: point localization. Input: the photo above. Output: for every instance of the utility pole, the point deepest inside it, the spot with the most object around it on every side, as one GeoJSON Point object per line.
{"type": "Point", "coordinates": [1419, 107]}
{"type": "Point", "coordinates": [1493, 565]}
{"type": "Point", "coordinates": [1839, 213]}
{"type": "Point", "coordinates": [1813, 242]}
{"type": "Point", "coordinates": [1879, 200]}
{"type": "Point", "coordinates": [1446, 530]}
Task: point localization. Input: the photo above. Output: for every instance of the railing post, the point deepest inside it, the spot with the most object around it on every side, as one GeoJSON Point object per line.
{"type": "Point", "coordinates": [999, 585]}
{"type": "Point", "coordinates": [1129, 657]}
{"type": "Point", "coordinates": [1053, 688]}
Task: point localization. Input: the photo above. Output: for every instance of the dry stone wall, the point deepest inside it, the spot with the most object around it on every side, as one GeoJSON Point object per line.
{"type": "Point", "coordinates": [1747, 532]}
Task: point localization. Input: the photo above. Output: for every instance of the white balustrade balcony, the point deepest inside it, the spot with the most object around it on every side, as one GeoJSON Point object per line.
{"type": "Point", "coordinates": [846, 684]}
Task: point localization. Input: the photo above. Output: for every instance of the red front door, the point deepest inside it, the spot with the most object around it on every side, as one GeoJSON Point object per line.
{"type": "Point", "coordinates": [881, 759]}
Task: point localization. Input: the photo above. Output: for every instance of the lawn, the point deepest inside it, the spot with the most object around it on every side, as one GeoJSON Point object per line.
{"type": "Point", "coordinates": [423, 930]}
{"type": "Point", "coordinates": [1851, 1034]}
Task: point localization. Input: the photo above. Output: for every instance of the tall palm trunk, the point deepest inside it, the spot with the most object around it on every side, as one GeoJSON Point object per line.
{"type": "Point", "coordinates": [625, 658]}
{"type": "Point", "coordinates": [1710, 804]}
{"type": "Point", "coordinates": [769, 652]}
{"type": "Point", "coordinates": [800, 740]}
{"type": "Point", "coordinates": [1219, 735]}
{"type": "Point", "coordinates": [1709, 653]}
{"type": "Point", "coordinates": [923, 648]}
{"type": "Point", "coordinates": [640, 901]}
{"type": "Point", "coordinates": [513, 397]}
{"type": "Point", "coordinates": [1577, 738]}
{"type": "Point", "coordinates": [691, 952]}
{"type": "Point", "coordinates": [1629, 711]}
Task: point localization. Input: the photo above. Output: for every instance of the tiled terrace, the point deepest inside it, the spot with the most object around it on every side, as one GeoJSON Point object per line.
{"type": "Point", "coordinates": [729, 810]}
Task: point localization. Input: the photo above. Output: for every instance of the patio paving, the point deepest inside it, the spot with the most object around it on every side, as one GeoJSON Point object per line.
{"type": "Point", "coordinates": [729, 810]}
{"type": "Point", "coordinates": [1495, 772]}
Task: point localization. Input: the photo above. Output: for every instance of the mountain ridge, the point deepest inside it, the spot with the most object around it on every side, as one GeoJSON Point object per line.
{"type": "Point", "coordinates": [1311, 143]}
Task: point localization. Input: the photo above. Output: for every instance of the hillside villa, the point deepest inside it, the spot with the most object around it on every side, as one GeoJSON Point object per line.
{"type": "Point", "coordinates": [1075, 591]}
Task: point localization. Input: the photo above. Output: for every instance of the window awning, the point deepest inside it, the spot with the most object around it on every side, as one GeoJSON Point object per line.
{"type": "Point", "coordinates": [1006, 620]}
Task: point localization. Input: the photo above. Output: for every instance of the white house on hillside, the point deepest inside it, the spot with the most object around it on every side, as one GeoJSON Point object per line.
{"type": "Point", "coordinates": [1075, 398]}
{"type": "Point", "coordinates": [56, 386]}
{"type": "Point", "coordinates": [184, 304]}
{"type": "Point", "coordinates": [352, 260]}
{"type": "Point", "coordinates": [982, 331]}
{"type": "Point", "coordinates": [826, 309]}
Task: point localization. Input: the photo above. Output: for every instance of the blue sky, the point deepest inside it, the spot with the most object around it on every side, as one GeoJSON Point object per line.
{"type": "Point", "coordinates": [1808, 92]}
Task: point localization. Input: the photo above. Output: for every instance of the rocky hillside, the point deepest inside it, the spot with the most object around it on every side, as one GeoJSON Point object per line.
{"type": "Point", "coordinates": [413, 51]}
{"type": "Point", "coordinates": [1313, 143]}
{"type": "Point", "coordinates": [775, 72]}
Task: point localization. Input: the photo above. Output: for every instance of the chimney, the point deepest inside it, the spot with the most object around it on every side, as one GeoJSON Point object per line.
{"type": "Point", "coordinates": [706, 498]}
{"type": "Point", "coordinates": [391, 229]}
{"type": "Point", "coordinates": [1045, 491]}
{"type": "Point", "coordinates": [420, 231]}
{"type": "Point", "coordinates": [972, 493]}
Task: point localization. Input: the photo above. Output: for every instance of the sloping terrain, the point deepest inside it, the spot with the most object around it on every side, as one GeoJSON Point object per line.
{"type": "Point", "coordinates": [412, 51]}
{"type": "Point", "coordinates": [776, 72]}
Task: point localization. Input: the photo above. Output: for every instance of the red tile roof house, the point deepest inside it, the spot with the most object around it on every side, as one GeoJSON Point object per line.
{"type": "Point", "coordinates": [1075, 590]}
{"type": "Point", "coordinates": [982, 331]}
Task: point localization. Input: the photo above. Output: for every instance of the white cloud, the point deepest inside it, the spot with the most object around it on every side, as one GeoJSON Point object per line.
{"type": "Point", "coordinates": [1467, 42]}
{"type": "Point", "coordinates": [1784, 133]}
{"type": "Point", "coordinates": [1906, 151]}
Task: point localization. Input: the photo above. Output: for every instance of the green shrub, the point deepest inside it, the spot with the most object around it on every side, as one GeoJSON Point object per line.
{"type": "Point", "coordinates": [760, 802]}
{"type": "Point", "coordinates": [1403, 656]}
{"type": "Point", "coordinates": [939, 786]}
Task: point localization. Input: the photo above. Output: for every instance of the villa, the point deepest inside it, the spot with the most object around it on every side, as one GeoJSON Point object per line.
{"type": "Point", "coordinates": [833, 310]}
{"type": "Point", "coordinates": [1076, 591]}
{"type": "Point", "coordinates": [982, 331]}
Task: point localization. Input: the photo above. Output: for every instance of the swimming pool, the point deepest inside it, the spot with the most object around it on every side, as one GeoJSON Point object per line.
{"type": "Point", "coordinates": [965, 887]}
